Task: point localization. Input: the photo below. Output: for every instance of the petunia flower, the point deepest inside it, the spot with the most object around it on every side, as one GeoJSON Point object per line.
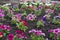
{"type": "Point", "coordinates": [17, 17]}
{"type": "Point", "coordinates": [20, 34]}
{"type": "Point", "coordinates": [56, 31]}
{"type": "Point", "coordinates": [49, 11]}
{"type": "Point", "coordinates": [37, 32]}
{"type": "Point", "coordinates": [1, 10]}
{"type": "Point", "coordinates": [18, 31]}
{"type": "Point", "coordinates": [30, 17]}
{"type": "Point", "coordinates": [10, 36]}
{"type": "Point", "coordinates": [1, 15]}
{"type": "Point", "coordinates": [50, 30]}
{"type": "Point", "coordinates": [5, 27]}
{"type": "Point", "coordinates": [2, 27]}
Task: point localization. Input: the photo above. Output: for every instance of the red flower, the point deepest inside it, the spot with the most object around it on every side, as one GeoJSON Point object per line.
{"type": "Point", "coordinates": [24, 22]}
{"type": "Point", "coordinates": [1, 34]}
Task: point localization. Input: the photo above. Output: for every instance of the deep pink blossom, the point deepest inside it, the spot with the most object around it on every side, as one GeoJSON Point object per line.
{"type": "Point", "coordinates": [5, 27]}
{"type": "Point", "coordinates": [18, 31]}
{"type": "Point", "coordinates": [10, 36]}
{"type": "Point", "coordinates": [20, 34]}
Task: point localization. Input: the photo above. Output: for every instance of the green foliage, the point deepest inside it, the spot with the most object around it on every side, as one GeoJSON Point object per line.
{"type": "Point", "coordinates": [51, 35]}
{"type": "Point", "coordinates": [0, 6]}
{"type": "Point", "coordinates": [15, 38]}
{"type": "Point", "coordinates": [13, 21]}
{"type": "Point", "coordinates": [58, 38]}
{"type": "Point", "coordinates": [37, 12]}
{"type": "Point", "coordinates": [38, 37]}
{"type": "Point", "coordinates": [21, 26]}
{"type": "Point", "coordinates": [40, 23]}
{"type": "Point", "coordinates": [5, 9]}
{"type": "Point", "coordinates": [23, 6]}
{"type": "Point", "coordinates": [16, 9]}
{"type": "Point", "coordinates": [9, 15]}
{"type": "Point", "coordinates": [55, 21]}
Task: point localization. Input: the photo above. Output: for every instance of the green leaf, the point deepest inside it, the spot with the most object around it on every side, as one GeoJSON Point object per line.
{"type": "Point", "coordinates": [51, 35]}
{"type": "Point", "coordinates": [40, 23]}
{"type": "Point", "coordinates": [4, 34]}
{"type": "Point", "coordinates": [55, 21]}
{"type": "Point", "coordinates": [58, 38]}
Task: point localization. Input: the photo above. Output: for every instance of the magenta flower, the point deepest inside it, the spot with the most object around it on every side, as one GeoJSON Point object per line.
{"type": "Point", "coordinates": [1, 10]}
{"type": "Point", "coordinates": [5, 27]}
{"type": "Point", "coordinates": [49, 11]}
{"type": "Point", "coordinates": [2, 27]}
{"type": "Point", "coordinates": [30, 17]}
{"type": "Point", "coordinates": [10, 36]}
{"type": "Point", "coordinates": [19, 31]}
{"type": "Point", "coordinates": [1, 15]}
{"type": "Point", "coordinates": [56, 31]}
{"type": "Point", "coordinates": [50, 30]}
{"type": "Point", "coordinates": [17, 17]}
{"type": "Point", "coordinates": [20, 34]}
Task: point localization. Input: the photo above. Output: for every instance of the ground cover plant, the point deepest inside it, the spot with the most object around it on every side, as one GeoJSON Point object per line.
{"type": "Point", "coordinates": [30, 21]}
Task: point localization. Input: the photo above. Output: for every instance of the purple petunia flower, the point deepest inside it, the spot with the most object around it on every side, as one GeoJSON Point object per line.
{"type": "Point", "coordinates": [10, 36]}
{"type": "Point", "coordinates": [30, 17]}
{"type": "Point", "coordinates": [43, 19]}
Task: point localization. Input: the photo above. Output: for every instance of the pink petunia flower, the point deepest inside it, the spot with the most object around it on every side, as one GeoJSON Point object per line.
{"type": "Point", "coordinates": [37, 32]}
{"type": "Point", "coordinates": [1, 10]}
{"type": "Point", "coordinates": [1, 15]}
{"type": "Point", "coordinates": [49, 11]}
{"type": "Point", "coordinates": [17, 17]}
{"type": "Point", "coordinates": [30, 17]}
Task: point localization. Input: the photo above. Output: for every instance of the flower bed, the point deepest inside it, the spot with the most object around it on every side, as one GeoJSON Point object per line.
{"type": "Point", "coordinates": [30, 21]}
